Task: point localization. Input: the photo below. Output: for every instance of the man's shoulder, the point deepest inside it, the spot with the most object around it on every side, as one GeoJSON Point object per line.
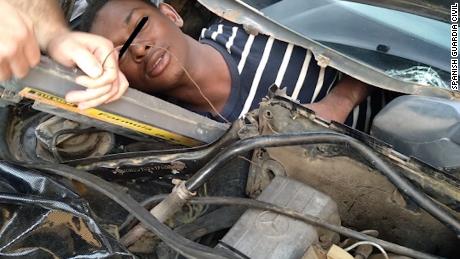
{"type": "Point", "coordinates": [222, 32]}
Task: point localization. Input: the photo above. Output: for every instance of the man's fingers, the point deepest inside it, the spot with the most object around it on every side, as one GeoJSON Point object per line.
{"type": "Point", "coordinates": [16, 36]}
{"type": "Point", "coordinates": [24, 38]}
{"type": "Point", "coordinates": [109, 72]}
{"type": "Point", "coordinates": [114, 90]}
{"type": "Point", "coordinates": [94, 102]}
{"type": "Point", "coordinates": [32, 52]}
{"type": "Point", "coordinates": [108, 76]}
{"type": "Point", "coordinates": [31, 47]}
{"type": "Point", "coordinates": [123, 86]}
{"type": "Point", "coordinates": [102, 50]}
{"type": "Point", "coordinates": [33, 55]}
{"type": "Point", "coordinates": [86, 95]}
{"type": "Point", "coordinates": [13, 52]}
{"type": "Point", "coordinates": [19, 64]}
{"type": "Point", "coordinates": [5, 71]}
{"type": "Point", "coordinates": [107, 56]}
{"type": "Point", "coordinates": [96, 57]}
{"type": "Point", "coordinates": [86, 61]}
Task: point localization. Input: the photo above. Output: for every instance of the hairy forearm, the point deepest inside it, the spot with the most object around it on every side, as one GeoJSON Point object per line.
{"type": "Point", "coordinates": [47, 17]}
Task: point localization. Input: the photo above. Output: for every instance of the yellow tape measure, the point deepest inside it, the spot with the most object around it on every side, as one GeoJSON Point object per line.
{"type": "Point", "coordinates": [111, 118]}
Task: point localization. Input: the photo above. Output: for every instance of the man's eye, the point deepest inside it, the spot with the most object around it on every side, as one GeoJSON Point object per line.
{"type": "Point", "coordinates": [146, 23]}
{"type": "Point", "coordinates": [133, 35]}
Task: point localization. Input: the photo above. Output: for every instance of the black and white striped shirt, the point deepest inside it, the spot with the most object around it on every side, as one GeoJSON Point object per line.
{"type": "Point", "coordinates": [257, 62]}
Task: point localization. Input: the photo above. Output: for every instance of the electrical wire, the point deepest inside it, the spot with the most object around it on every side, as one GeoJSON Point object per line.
{"type": "Point", "coordinates": [295, 139]}
{"type": "Point", "coordinates": [368, 243]}
{"type": "Point", "coordinates": [198, 87]}
{"type": "Point", "coordinates": [175, 241]}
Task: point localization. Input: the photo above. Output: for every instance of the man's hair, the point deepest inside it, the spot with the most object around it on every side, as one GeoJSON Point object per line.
{"type": "Point", "coordinates": [94, 6]}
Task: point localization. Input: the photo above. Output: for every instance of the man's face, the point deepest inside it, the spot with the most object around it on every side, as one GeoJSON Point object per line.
{"type": "Point", "coordinates": [154, 62]}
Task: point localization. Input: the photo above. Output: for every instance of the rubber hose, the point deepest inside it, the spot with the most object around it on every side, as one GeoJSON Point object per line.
{"type": "Point", "coordinates": [295, 139]}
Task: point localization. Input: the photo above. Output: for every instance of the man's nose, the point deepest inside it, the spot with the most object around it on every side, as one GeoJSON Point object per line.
{"type": "Point", "coordinates": [139, 52]}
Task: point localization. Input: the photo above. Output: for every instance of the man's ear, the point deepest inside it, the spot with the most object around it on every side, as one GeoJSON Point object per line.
{"type": "Point", "coordinates": [171, 13]}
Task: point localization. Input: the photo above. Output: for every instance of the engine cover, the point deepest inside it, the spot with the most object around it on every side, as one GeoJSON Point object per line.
{"type": "Point", "coordinates": [264, 235]}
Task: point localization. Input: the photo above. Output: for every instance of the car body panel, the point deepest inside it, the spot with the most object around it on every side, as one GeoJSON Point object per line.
{"type": "Point", "coordinates": [254, 21]}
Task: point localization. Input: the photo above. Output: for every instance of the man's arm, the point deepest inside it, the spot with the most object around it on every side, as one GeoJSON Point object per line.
{"type": "Point", "coordinates": [46, 16]}
{"type": "Point", "coordinates": [91, 53]}
{"type": "Point", "coordinates": [19, 48]}
{"type": "Point", "coordinates": [337, 105]}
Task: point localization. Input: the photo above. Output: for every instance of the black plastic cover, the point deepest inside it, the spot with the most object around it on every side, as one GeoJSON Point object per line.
{"type": "Point", "coordinates": [427, 128]}
{"type": "Point", "coordinates": [43, 218]}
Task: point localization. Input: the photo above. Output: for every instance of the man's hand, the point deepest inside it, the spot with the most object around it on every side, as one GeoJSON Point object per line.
{"type": "Point", "coordinates": [95, 56]}
{"type": "Point", "coordinates": [26, 26]}
{"type": "Point", "coordinates": [19, 49]}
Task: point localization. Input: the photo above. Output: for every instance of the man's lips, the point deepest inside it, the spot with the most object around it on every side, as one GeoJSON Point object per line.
{"type": "Point", "coordinates": [157, 62]}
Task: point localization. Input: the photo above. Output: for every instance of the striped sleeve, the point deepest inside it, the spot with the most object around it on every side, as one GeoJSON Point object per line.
{"type": "Point", "coordinates": [259, 61]}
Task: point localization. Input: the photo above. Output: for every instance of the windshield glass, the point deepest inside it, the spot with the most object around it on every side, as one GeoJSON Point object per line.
{"type": "Point", "coordinates": [400, 44]}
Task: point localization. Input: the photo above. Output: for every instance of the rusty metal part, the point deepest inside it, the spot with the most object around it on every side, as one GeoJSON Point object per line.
{"type": "Point", "coordinates": [365, 198]}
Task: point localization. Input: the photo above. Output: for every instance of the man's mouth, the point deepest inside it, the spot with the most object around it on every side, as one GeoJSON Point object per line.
{"type": "Point", "coordinates": [157, 63]}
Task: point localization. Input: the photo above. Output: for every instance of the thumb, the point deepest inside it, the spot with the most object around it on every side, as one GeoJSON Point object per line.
{"type": "Point", "coordinates": [87, 62]}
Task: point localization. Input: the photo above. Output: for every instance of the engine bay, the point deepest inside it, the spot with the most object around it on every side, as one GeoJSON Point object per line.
{"type": "Point", "coordinates": [145, 178]}
{"type": "Point", "coordinates": [330, 181]}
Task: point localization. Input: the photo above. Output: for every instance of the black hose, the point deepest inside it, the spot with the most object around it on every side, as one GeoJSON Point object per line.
{"type": "Point", "coordinates": [148, 204]}
{"type": "Point", "coordinates": [243, 202]}
{"type": "Point", "coordinates": [293, 139]}
{"type": "Point", "coordinates": [178, 243]}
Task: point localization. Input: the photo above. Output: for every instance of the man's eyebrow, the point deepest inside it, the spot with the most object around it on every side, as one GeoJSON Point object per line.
{"type": "Point", "coordinates": [130, 15]}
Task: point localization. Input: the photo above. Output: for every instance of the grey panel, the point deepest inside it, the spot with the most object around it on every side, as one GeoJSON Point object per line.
{"type": "Point", "coordinates": [364, 26]}
{"type": "Point", "coordinates": [135, 105]}
{"type": "Point", "coordinates": [427, 128]}
{"type": "Point", "coordinates": [264, 235]}
{"type": "Point", "coordinates": [255, 21]}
